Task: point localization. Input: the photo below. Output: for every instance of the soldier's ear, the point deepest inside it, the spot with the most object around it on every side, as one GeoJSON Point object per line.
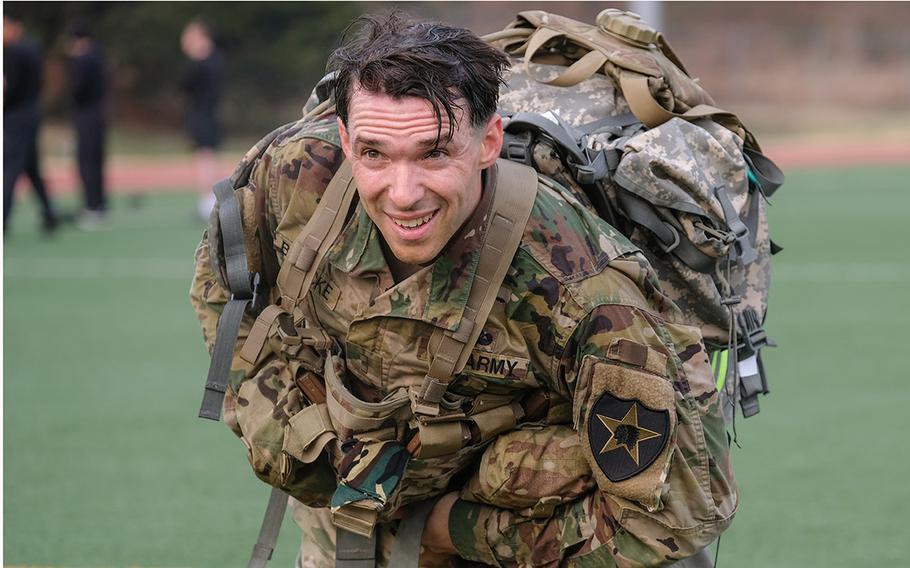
{"type": "Point", "coordinates": [491, 141]}
{"type": "Point", "coordinates": [345, 140]}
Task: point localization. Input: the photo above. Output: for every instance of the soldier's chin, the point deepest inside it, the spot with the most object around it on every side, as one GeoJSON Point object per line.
{"type": "Point", "coordinates": [413, 255]}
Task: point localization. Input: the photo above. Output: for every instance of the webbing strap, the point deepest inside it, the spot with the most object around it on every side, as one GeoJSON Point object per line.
{"type": "Point", "coordinates": [353, 550]}
{"type": "Point", "coordinates": [766, 172]}
{"type": "Point", "coordinates": [238, 272]}
{"type": "Point", "coordinates": [744, 246]}
{"type": "Point", "coordinates": [313, 242]}
{"type": "Point", "coordinates": [671, 241]}
{"type": "Point", "coordinates": [310, 246]}
{"type": "Point", "coordinates": [635, 89]}
{"type": "Point", "coordinates": [586, 66]}
{"type": "Point", "coordinates": [252, 347]}
{"type": "Point", "coordinates": [406, 548]}
{"type": "Point", "coordinates": [516, 189]}
{"type": "Point", "coordinates": [238, 275]}
{"type": "Point", "coordinates": [222, 356]}
{"type": "Point", "coordinates": [268, 532]}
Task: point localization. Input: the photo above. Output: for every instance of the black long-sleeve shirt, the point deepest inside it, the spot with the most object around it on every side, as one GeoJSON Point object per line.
{"type": "Point", "coordinates": [87, 78]}
{"type": "Point", "coordinates": [22, 74]}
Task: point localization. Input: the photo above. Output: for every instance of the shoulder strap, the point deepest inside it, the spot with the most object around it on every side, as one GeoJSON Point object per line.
{"type": "Point", "coordinates": [516, 189]}
{"type": "Point", "coordinates": [268, 532]}
{"type": "Point", "coordinates": [317, 236]}
{"type": "Point", "coordinates": [309, 248]}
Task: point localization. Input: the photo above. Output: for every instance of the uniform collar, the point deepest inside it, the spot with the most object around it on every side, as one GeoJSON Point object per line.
{"type": "Point", "coordinates": [437, 293]}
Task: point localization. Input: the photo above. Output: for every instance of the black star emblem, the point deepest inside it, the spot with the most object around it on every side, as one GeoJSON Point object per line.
{"type": "Point", "coordinates": [626, 433]}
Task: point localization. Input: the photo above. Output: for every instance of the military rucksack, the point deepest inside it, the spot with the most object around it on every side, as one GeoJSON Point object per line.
{"type": "Point", "coordinates": [609, 112]}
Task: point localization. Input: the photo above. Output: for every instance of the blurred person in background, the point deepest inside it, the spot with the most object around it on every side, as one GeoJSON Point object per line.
{"type": "Point", "coordinates": [202, 82]}
{"type": "Point", "coordinates": [22, 77]}
{"type": "Point", "coordinates": [88, 87]}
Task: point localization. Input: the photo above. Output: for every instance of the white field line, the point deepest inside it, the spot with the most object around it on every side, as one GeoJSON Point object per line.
{"type": "Point", "coordinates": [89, 267]}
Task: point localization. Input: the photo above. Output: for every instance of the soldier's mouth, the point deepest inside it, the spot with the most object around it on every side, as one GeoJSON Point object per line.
{"type": "Point", "coordinates": [412, 224]}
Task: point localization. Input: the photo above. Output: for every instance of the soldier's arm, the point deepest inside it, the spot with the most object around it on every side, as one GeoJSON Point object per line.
{"type": "Point", "coordinates": [646, 418]}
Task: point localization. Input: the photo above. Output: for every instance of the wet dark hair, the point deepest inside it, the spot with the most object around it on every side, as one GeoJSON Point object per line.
{"type": "Point", "coordinates": [400, 57]}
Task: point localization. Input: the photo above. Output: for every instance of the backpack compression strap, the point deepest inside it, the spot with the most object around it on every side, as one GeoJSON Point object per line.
{"type": "Point", "coordinates": [516, 189]}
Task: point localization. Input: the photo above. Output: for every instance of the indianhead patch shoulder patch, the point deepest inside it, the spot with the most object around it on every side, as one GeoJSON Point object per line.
{"type": "Point", "coordinates": [626, 436]}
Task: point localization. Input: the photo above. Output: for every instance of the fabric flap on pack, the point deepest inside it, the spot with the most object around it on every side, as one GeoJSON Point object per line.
{"type": "Point", "coordinates": [679, 164]}
{"type": "Point", "coordinates": [308, 432]}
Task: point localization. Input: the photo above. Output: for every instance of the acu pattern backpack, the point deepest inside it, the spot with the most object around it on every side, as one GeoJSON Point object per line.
{"type": "Point", "coordinates": [609, 112]}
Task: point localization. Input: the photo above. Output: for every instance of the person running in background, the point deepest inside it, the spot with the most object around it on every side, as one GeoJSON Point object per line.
{"type": "Point", "coordinates": [201, 82]}
{"type": "Point", "coordinates": [22, 76]}
{"type": "Point", "coordinates": [87, 78]}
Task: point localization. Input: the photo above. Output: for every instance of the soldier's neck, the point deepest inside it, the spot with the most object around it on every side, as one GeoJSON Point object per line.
{"type": "Point", "coordinates": [400, 270]}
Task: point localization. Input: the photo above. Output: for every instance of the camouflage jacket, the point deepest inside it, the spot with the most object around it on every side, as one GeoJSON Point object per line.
{"type": "Point", "coordinates": [631, 466]}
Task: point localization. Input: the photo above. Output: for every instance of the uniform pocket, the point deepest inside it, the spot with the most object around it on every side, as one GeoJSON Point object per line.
{"type": "Point", "coordinates": [532, 471]}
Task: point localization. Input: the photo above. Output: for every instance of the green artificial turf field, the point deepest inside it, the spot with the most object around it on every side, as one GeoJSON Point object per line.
{"type": "Point", "coordinates": [105, 463]}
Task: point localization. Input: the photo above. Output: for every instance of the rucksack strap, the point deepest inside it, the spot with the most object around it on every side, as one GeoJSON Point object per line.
{"type": "Point", "coordinates": [242, 289]}
{"type": "Point", "coordinates": [268, 532]}
{"type": "Point", "coordinates": [313, 242]}
{"type": "Point", "coordinates": [637, 93]}
{"type": "Point", "coordinates": [670, 239]}
{"type": "Point", "coordinates": [516, 189]}
{"type": "Point", "coordinates": [299, 267]}
{"type": "Point", "coordinates": [406, 548]}
{"type": "Point", "coordinates": [243, 285]}
{"type": "Point", "coordinates": [353, 550]}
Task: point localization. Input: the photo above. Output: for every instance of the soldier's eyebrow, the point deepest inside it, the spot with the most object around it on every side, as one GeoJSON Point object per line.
{"type": "Point", "coordinates": [425, 144]}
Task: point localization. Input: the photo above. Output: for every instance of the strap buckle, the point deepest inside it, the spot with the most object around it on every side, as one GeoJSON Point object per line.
{"type": "Point", "coordinates": [668, 248]}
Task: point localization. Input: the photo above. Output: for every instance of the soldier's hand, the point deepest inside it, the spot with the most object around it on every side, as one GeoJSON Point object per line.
{"type": "Point", "coordinates": [437, 550]}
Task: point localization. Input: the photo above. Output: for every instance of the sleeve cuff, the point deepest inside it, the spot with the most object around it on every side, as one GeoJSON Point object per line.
{"type": "Point", "coordinates": [467, 529]}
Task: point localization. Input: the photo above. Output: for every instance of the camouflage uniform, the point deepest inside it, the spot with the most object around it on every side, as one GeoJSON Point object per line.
{"type": "Point", "coordinates": [631, 465]}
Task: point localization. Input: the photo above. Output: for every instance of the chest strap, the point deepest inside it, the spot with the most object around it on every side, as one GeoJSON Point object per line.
{"type": "Point", "coordinates": [516, 189]}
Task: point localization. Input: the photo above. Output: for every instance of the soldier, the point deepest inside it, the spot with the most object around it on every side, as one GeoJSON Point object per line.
{"type": "Point", "coordinates": [584, 428]}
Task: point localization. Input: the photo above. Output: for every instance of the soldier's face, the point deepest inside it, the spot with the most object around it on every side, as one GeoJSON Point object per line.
{"type": "Point", "coordinates": [417, 195]}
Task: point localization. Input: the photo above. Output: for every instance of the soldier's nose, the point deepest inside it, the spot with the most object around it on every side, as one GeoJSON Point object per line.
{"type": "Point", "coordinates": [405, 191]}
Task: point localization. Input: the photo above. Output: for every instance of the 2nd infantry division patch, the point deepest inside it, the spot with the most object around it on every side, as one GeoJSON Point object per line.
{"type": "Point", "coordinates": [626, 436]}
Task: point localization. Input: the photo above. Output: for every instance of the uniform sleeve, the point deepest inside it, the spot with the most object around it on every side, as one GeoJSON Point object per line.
{"type": "Point", "coordinates": [646, 419]}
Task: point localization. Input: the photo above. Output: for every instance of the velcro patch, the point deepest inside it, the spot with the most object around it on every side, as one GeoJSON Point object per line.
{"type": "Point", "coordinates": [628, 428]}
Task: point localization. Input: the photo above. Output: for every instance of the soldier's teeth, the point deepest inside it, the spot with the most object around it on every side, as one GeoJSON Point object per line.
{"type": "Point", "coordinates": [413, 223]}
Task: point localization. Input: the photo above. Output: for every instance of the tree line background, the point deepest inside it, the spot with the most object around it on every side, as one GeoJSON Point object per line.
{"type": "Point", "coordinates": [274, 53]}
{"type": "Point", "coordinates": [784, 67]}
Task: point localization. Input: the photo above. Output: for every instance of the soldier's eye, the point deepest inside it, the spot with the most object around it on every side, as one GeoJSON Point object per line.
{"type": "Point", "coordinates": [371, 154]}
{"type": "Point", "coordinates": [435, 154]}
